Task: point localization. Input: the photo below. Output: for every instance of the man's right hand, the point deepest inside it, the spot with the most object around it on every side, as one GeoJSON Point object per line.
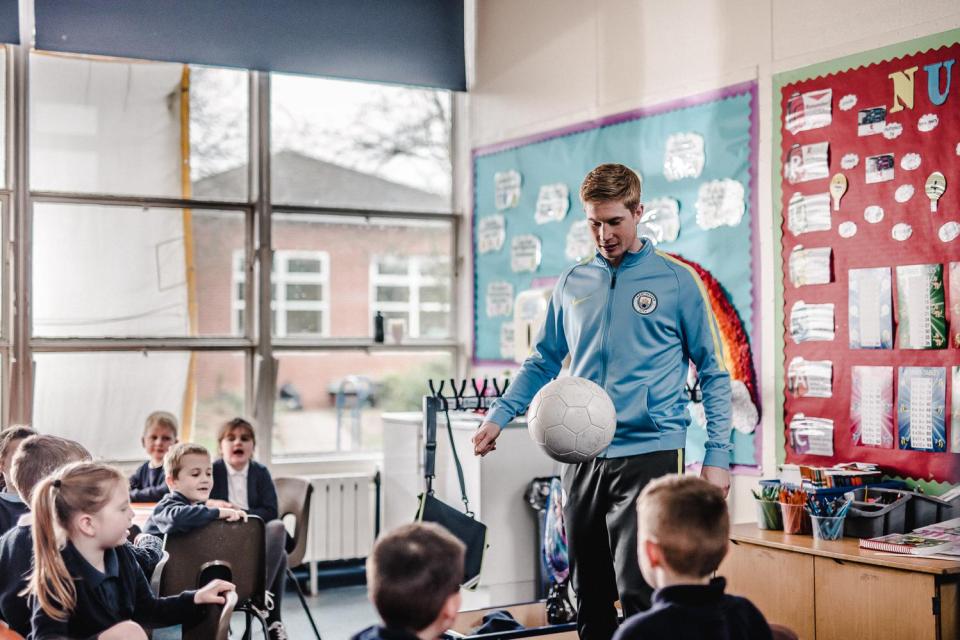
{"type": "Point", "coordinates": [485, 439]}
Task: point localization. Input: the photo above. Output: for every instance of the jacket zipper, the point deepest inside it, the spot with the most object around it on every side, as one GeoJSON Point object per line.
{"type": "Point", "coordinates": [605, 329]}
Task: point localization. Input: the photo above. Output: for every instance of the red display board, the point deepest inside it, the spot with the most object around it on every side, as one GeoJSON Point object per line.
{"type": "Point", "coordinates": [914, 92]}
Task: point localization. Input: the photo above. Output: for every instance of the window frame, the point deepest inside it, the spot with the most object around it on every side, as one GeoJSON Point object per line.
{"type": "Point", "coordinates": [257, 342]}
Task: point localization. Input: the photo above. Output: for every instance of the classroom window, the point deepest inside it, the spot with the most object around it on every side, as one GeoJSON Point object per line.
{"type": "Point", "coordinates": [117, 390]}
{"type": "Point", "coordinates": [131, 127]}
{"type": "Point", "coordinates": [413, 295]}
{"type": "Point", "coordinates": [333, 402]}
{"type": "Point", "coordinates": [300, 301]}
{"type": "Point", "coordinates": [340, 143]}
{"type": "Point", "coordinates": [407, 285]}
{"type": "Point", "coordinates": [115, 271]}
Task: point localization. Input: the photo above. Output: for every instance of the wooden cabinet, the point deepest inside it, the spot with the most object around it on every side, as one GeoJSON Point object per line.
{"type": "Point", "coordinates": [835, 590]}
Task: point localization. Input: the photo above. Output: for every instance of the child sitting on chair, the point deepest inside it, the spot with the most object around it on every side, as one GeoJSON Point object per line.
{"type": "Point", "coordinates": [36, 458]}
{"type": "Point", "coordinates": [159, 434]}
{"type": "Point", "coordinates": [240, 482]}
{"type": "Point", "coordinates": [683, 527]}
{"type": "Point", "coordinates": [189, 474]}
{"type": "Point", "coordinates": [413, 578]}
{"type": "Point", "coordinates": [93, 586]}
{"type": "Point", "coordinates": [12, 506]}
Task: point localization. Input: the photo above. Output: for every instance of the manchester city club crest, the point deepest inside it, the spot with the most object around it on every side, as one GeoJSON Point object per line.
{"type": "Point", "coordinates": [644, 303]}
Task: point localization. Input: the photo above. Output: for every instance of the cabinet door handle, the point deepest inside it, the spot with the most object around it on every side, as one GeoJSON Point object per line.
{"type": "Point", "coordinates": [837, 561]}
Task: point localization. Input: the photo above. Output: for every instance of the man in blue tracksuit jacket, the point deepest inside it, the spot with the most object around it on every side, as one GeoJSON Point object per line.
{"type": "Point", "coordinates": [631, 319]}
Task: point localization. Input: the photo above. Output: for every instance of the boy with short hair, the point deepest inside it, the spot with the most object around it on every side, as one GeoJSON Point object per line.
{"type": "Point", "coordinates": [189, 474]}
{"type": "Point", "coordinates": [147, 484]}
{"type": "Point", "coordinates": [413, 578]}
{"type": "Point", "coordinates": [683, 532]}
{"type": "Point", "coordinates": [12, 506]}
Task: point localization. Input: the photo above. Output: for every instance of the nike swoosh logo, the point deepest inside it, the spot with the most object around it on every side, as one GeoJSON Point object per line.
{"type": "Point", "coordinates": [577, 301]}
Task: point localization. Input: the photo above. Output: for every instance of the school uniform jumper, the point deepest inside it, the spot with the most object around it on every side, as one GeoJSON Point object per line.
{"type": "Point", "coordinates": [633, 330]}
{"type": "Point", "coordinates": [119, 593]}
{"type": "Point", "coordinates": [697, 612]}
{"type": "Point", "coordinates": [148, 484]}
{"type": "Point", "coordinates": [16, 558]}
{"type": "Point", "coordinates": [175, 513]}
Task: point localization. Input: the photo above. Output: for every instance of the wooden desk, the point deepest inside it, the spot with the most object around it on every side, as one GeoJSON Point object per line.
{"type": "Point", "coordinates": [835, 590]}
{"type": "Point", "coordinates": [142, 511]}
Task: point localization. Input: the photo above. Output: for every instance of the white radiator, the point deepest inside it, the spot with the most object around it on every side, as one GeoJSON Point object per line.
{"type": "Point", "coordinates": [341, 517]}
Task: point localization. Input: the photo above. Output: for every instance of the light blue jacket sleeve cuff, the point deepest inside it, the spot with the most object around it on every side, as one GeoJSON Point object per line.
{"type": "Point", "coordinates": [500, 415]}
{"type": "Point", "coordinates": [717, 458]}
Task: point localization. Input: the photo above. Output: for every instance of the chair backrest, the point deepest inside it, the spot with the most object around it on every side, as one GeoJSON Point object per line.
{"type": "Point", "coordinates": [200, 555]}
{"type": "Point", "coordinates": [293, 499]}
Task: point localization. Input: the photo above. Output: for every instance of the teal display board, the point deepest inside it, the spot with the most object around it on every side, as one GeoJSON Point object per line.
{"type": "Point", "coordinates": [722, 245]}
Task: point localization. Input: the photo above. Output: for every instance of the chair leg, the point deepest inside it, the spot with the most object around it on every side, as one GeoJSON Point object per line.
{"type": "Point", "coordinates": [303, 601]}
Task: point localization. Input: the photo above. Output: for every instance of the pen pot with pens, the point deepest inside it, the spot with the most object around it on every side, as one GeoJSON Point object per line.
{"type": "Point", "coordinates": [792, 509]}
{"type": "Point", "coordinates": [827, 515]}
{"type": "Point", "coordinates": [768, 509]}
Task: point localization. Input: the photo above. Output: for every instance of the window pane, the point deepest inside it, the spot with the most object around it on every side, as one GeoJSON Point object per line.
{"type": "Point", "coordinates": [352, 245]}
{"type": "Point", "coordinates": [299, 322]}
{"type": "Point", "coordinates": [393, 266]}
{"type": "Point", "coordinates": [125, 271]}
{"type": "Point", "coordinates": [434, 324]}
{"type": "Point", "coordinates": [119, 126]}
{"type": "Point", "coordinates": [304, 265]}
{"type": "Point", "coordinates": [304, 292]}
{"type": "Point", "coordinates": [352, 144]}
{"type": "Point", "coordinates": [309, 386]}
{"type": "Point", "coordinates": [435, 294]}
{"type": "Point", "coordinates": [393, 294]}
{"type": "Point", "coordinates": [126, 387]}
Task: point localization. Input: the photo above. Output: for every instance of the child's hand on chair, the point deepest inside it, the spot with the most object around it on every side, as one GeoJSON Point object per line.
{"type": "Point", "coordinates": [232, 515]}
{"type": "Point", "coordinates": [220, 504]}
{"type": "Point", "coordinates": [212, 592]}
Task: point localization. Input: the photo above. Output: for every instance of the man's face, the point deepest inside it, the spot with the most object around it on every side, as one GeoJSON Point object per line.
{"type": "Point", "coordinates": [614, 228]}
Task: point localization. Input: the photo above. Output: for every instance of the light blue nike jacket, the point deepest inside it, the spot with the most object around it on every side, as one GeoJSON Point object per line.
{"type": "Point", "coordinates": [633, 330]}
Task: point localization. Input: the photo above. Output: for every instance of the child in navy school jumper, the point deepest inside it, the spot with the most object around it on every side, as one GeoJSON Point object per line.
{"type": "Point", "coordinates": [413, 579]}
{"type": "Point", "coordinates": [159, 434]}
{"type": "Point", "coordinates": [189, 475]}
{"type": "Point", "coordinates": [240, 482]}
{"type": "Point", "coordinates": [683, 527]}
{"type": "Point", "coordinates": [93, 586]}
{"type": "Point", "coordinates": [12, 506]}
{"type": "Point", "coordinates": [36, 458]}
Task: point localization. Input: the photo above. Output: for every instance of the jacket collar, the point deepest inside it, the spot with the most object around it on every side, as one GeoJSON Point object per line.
{"type": "Point", "coordinates": [692, 594]}
{"type": "Point", "coordinates": [629, 258]}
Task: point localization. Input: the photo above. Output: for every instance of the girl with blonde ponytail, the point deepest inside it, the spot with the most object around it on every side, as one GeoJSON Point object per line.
{"type": "Point", "coordinates": [85, 582]}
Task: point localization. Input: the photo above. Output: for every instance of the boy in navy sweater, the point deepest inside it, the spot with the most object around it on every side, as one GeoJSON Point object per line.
{"type": "Point", "coordinates": [189, 474]}
{"type": "Point", "coordinates": [147, 484]}
{"type": "Point", "coordinates": [12, 505]}
{"type": "Point", "coordinates": [682, 538]}
{"type": "Point", "coordinates": [413, 579]}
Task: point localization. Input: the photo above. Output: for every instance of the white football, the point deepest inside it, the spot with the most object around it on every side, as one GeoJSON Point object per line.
{"type": "Point", "coordinates": [573, 419]}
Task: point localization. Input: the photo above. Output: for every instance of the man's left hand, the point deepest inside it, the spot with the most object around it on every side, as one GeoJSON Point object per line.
{"type": "Point", "coordinates": [717, 477]}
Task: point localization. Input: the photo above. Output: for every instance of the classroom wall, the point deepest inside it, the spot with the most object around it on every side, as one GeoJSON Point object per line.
{"type": "Point", "coordinates": [536, 65]}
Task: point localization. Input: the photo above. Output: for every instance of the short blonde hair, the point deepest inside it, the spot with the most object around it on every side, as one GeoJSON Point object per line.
{"type": "Point", "coordinates": [688, 518]}
{"type": "Point", "coordinates": [39, 456]}
{"type": "Point", "coordinates": [173, 461]}
{"type": "Point", "coordinates": [162, 419]}
{"type": "Point", "coordinates": [612, 183]}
